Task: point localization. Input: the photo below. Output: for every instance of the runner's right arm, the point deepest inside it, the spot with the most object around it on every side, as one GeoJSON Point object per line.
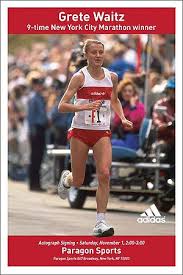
{"type": "Point", "coordinates": [75, 84]}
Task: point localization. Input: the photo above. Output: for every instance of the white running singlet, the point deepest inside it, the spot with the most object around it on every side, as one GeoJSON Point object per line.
{"type": "Point", "coordinates": [93, 90]}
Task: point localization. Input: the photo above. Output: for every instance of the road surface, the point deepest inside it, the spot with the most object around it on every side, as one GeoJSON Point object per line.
{"type": "Point", "coordinates": [33, 213]}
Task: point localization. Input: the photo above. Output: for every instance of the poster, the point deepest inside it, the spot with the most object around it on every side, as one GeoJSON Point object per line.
{"type": "Point", "coordinates": [41, 233]}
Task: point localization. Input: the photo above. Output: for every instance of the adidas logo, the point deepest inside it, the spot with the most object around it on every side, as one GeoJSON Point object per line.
{"type": "Point", "coordinates": [151, 215]}
{"type": "Point", "coordinates": [98, 93]}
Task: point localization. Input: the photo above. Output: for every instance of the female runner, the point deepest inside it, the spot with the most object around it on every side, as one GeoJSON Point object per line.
{"type": "Point", "coordinates": [94, 88]}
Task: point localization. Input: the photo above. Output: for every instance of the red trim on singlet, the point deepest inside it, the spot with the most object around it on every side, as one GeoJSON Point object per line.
{"type": "Point", "coordinates": [95, 93]}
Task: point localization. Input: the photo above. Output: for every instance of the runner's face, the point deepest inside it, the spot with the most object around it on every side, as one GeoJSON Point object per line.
{"type": "Point", "coordinates": [95, 55]}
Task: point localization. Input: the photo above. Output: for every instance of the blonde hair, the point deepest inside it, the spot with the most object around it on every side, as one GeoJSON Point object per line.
{"type": "Point", "coordinates": [88, 43]}
{"type": "Point", "coordinates": [122, 84]}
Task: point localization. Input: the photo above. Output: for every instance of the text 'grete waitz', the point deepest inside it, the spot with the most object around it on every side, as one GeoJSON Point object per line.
{"type": "Point", "coordinates": [85, 17]}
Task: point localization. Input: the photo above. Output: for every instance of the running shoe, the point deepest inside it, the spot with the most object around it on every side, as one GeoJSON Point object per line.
{"type": "Point", "coordinates": [62, 188]}
{"type": "Point", "coordinates": [101, 229]}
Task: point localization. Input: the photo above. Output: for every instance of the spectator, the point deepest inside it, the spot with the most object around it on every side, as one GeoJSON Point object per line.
{"type": "Point", "coordinates": [19, 100]}
{"type": "Point", "coordinates": [157, 85]}
{"type": "Point", "coordinates": [37, 120]}
{"type": "Point", "coordinates": [60, 123]}
{"type": "Point", "coordinates": [133, 110]}
{"type": "Point", "coordinates": [162, 118]}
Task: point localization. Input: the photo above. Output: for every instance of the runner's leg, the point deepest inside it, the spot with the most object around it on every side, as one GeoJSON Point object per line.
{"type": "Point", "coordinates": [102, 153]}
{"type": "Point", "coordinates": [79, 155]}
{"type": "Point", "coordinates": [103, 157]}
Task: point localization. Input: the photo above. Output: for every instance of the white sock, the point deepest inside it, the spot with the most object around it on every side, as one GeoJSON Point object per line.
{"type": "Point", "coordinates": [100, 217]}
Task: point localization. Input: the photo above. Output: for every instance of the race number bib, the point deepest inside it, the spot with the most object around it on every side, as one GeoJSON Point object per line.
{"type": "Point", "coordinates": [97, 117]}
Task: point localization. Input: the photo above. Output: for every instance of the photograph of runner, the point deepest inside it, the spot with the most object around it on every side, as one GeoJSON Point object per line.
{"type": "Point", "coordinates": [91, 127]}
{"type": "Point", "coordinates": [92, 98]}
